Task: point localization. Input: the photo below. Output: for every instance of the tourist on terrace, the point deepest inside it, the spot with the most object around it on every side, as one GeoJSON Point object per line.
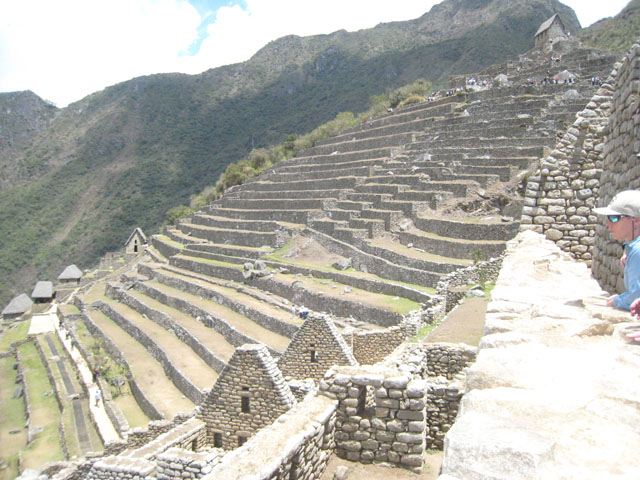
{"type": "Point", "coordinates": [623, 222]}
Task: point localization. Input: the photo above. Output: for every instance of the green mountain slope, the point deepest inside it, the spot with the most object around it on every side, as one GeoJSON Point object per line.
{"type": "Point", "coordinates": [120, 158]}
{"type": "Point", "coordinates": [615, 33]}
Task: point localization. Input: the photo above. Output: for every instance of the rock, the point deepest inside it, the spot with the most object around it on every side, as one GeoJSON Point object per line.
{"type": "Point", "coordinates": [17, 392]}
{"type": "Point", "coordinates": [342, 264]}
{"type": "Point", "coordinates": [259, 265]}
{"type": "Point", "coordinates": [247, 266]}
{"type": "Point", "coordinates": [341, 473]}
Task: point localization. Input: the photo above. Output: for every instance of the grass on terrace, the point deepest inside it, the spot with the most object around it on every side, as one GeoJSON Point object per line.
{"type": "Point", "coordinates": [125, 400]}
{"type": "Point", "coordinates": [44, 411]}
{"type": "Point", "coordinates": [14, 333]}
{"type": "Point", "coordinates": [12, 419]}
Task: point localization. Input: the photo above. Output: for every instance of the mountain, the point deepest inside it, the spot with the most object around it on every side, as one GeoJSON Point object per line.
{"type": "Point", "coordinates": [83, 177]}
{"type": "Point", "coordinates": [615, 33]}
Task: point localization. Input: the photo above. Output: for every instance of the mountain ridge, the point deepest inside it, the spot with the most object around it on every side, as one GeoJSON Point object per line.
{"type": "Point", "coordinates": [120, 158]}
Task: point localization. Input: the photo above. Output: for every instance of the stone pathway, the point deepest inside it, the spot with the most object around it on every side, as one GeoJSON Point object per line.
{"type": "Point", "coordinates": [106, 429]}
{"type": "Point", "coordinates": [78, 413]}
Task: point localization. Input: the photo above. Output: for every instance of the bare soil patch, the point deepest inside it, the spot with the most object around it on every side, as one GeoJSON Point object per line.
{"type": "Point", "coordinates": [359, 471]}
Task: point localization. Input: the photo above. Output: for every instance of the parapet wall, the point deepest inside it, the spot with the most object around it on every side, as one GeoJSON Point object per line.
{"type": "Point", "coordinates": [621, 166]}
{"type": "Point", "coordinates": [373, 346]}
{"type": "Point", "coordinates": [381, 415]}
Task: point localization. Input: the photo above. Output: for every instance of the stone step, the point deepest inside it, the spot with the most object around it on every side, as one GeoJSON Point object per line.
{"type": "Point", "coordinates": [408, 207]}
{"type": "Point", "coordinates": [343, 215]}
{"type": "Point", "coordinates": [324, 174]}
{"type": "Point", "coordinates": [291, 216]}
{"type": "Point", "coordinates": [354, 205]}
{"type": "Point", "coordinates": [235, 327]}
{"type": "Point", "coordinates": [445, 159]}
{"type": "Point", "coordinates": [537, 152]}
{"type": "Point", "coordinates": [479, 142]}
{"type": "Point", "coordinates": [435, 171]}
{"type": "Point", "coordinates": [365, 144]}
{"type": "Point", "coordinates": [414, 182]}
{"type": "Point", "coordinates": [373, 198]}
{"type": "Point", "coordinates": [432, 199]}
{"type": "Point", "coordinates": [337, 158]}
{"type": "Point", "coordinates": [349, 235]}
{"type": "Point", "coordinates": [373, 226]}
{"type": "Point", "coordinates": [280, 204]}
{"type": "Point", "coordinates": [267, 309]}
{"type": "Point", "coordinates": [472, 229]}
{"type": "Point", "coordinates": [246, 238]}
{"type": "Point", "coordinates": [328, 225]}
{"type": "Point", "coordinates": [277, 194]}
{"type": "Point", "coordinates": [311, 167]}
{"type": "Point", "coordinates": [329, 184]}
{"type": "Point", "coordinates": [232, 250]}
{"type": "Point", "coordinates": [391, 217]}
{"type": "Point", "coordinates": [380, 188]}
{"type": "Point", "coordinates": [234, 224]}
{"type": "Point", "coordinates": [452, 247]}
{"type": "Point", "coordinates": [159, 392]}
{"type": "Point", "coordinates": [411, 257]}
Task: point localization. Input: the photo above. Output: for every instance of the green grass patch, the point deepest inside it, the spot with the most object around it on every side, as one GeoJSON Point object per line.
{"type": "Point", "coordinates": [169, 241]}
{"type": "Point", "coordinates": [14, 333]}
{"type": "Point", "coordinates": [44, 411]}
{"type": "Point", "coordinates": [423, 332]}
{"type": "Point", "coordinates": [212, 262]}
{"type": "Point", "coordinates": [12, 418]}
{"type": "Point", "coordinates": [69, 309]}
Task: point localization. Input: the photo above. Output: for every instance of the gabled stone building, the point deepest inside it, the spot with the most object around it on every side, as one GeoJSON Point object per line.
{"type": "Point", "coordinates": [550, 32]}
{"type": "Point", "coordinates": [43, 292]}
{"type": "Point", "coordinates": [17, 307]}
{"type": "Point", "coordinates": [71, 274]}
{"type": "Point", "coordinates": [315, 347]}
{"type": "Point", "coordinates": [250, 393]}
{"type": "Point", "coordinates": [136, 242]}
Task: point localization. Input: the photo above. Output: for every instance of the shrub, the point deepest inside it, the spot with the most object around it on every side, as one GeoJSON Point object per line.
{"type": "Point", "coordinates": [411, 99]}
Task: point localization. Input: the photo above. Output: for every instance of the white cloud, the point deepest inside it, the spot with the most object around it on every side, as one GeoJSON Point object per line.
{"type": "Point", "coordinates": [66, 49]}
{"type": "Point", "coordinates": [590, 11]}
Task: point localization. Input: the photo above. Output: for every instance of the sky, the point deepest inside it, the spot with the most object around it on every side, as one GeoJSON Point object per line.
{"type": "Point", "coordinates": [63, 50]}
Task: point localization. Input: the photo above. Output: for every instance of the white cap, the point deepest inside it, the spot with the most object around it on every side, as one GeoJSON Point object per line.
{"type": "Point", "coordinates": [624, 203]}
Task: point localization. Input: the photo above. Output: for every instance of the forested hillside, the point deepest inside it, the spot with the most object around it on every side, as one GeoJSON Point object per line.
{"type": "Point", "coordinates": [120, 158]}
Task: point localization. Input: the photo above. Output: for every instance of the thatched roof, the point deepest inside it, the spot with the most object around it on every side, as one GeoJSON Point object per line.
{"type": "Point", "coordinates": [18, 305]}
{"type": "Point", "coordinates": [43, 289]}
{"type": "Point", "coordinates": [70, 273]}
{"type": "Point", "coordinates": [139, 231]}
{"type": "Point", "coordinates": [547, 24]}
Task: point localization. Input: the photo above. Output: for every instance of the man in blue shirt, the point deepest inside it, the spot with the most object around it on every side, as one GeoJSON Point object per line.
{"type": "Point", "coordinates": [623, 222]}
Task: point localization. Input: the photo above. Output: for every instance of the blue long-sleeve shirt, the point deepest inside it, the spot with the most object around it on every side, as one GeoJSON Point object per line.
{"type": "Point", "coordinates": [631, 276]}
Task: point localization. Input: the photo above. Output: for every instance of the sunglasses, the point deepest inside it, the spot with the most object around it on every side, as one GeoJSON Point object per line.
{"type": "Point", "coordinates": [615, 218]}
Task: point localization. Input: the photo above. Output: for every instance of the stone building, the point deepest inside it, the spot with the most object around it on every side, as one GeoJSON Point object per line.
{"type": "Point", "coordinates": [250, 393]}
{"type": "Point", "coordinates": [71, 274]}
{"type": "Point", "coordinates": [17, 307]}
{"type": "Point", "coordinates": [550, 32]}
{"type": "Point", "coordinates": [43, 292]}
{"type": "Point", "coordinates": [315, 347]}
{"type": "Point", "coordinates": [136, 241]}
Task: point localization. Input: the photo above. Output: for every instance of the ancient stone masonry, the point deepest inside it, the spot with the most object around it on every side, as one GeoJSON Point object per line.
{"type": "Point", "coordinates": [381, 415]}
{"type": "Point", "coordinates": [249, 394]}
{"type": "Point", "coordinates": [373, 346]}
{"type": "Point", "coordinates": [621, 167]}
{"type": "Point", "coordinates": [314, 349]}
{"type": "Point", "coordinates": [561, 194]}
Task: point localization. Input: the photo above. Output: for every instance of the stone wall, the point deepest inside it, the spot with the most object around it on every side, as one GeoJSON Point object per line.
{"type": "Point", "coordinates": [621, 167]}
{"type": "Point", "coordinates": [373, 346]}
{"type": "Point", "coordinates": [181, 382]}
{"type": "Point", "coordinates": [297, 446]}
{"type": "Point", "coordinates": [249, 394]}
{"type": "Point", "coordinates": [381, 415]}
{"type": "Point", "coordinates": [145, 404]}
{"type": "Point", "coordinates": [178, 463]}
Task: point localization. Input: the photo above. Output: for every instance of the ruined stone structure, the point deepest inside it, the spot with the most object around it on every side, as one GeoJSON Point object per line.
{"type": "Point", "coordinates": [213, 289]}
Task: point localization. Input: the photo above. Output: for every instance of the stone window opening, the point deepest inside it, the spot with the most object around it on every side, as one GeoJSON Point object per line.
{"type": "Point", "coordinates": [245, 400]}
{"type": "Point", "coordinates": [312, 352]}
{"type": "Point", "coordinates": [241, 440]}
{"type": "Point", "coordinates": [366, 401]}
{"type": "Point", "coordinates": [194, 445]}
{"type": "Point", "coordinates": [217, 439]}
{"type": "Point", "coordinates": [135, 246]}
